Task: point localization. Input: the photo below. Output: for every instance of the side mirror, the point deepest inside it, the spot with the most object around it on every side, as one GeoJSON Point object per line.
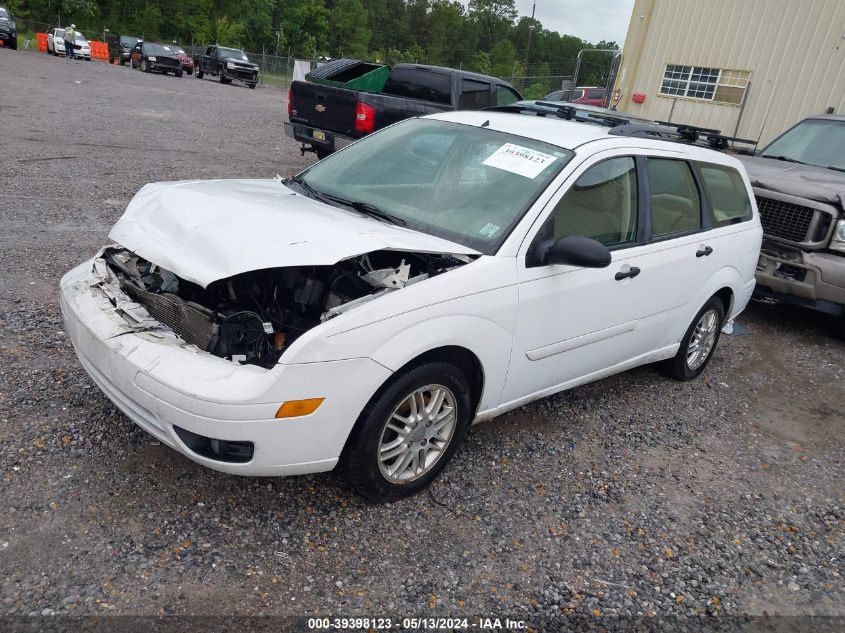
{"type": "Point", "coordinates": [574, 250]}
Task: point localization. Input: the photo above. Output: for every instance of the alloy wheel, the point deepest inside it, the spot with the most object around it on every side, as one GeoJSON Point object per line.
{"type": "Point", "coordinates": [417, 434]}
{"type": "Point", "coordinates": [702, 340]}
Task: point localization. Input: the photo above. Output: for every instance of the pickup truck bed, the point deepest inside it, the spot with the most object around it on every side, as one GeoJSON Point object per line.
{"type": "Point", "coordinates": [327, 118]}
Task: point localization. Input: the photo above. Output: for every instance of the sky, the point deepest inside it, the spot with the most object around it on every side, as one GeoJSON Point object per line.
{"type": "Point", "coordinates": [591, 20]}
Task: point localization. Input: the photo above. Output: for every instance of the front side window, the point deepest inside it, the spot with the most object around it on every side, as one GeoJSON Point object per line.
{"type": "Point", "coordinates": [726, 193]}
{"type": "Point", "coordinates": [601, 205]}
{"type": "Point", "coordinates": [506, 96]}
{"type": "Point", "coordinates": [675, 203]}
{"type": "Point", "coordinates": [474, 95]}
{"type": "Point", "coordinates": [467, 184]}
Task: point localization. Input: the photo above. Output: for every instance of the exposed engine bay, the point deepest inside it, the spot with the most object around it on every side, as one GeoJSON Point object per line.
{"type": "Point", "coordinates": [253, 317]}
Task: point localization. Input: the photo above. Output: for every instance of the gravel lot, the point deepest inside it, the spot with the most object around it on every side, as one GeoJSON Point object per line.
{"type": "Point", "coordinates": [632, 497]}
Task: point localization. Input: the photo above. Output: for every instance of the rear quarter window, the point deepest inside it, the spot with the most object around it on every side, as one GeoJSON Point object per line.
{"type": "Point", "coordinates": [417, 83]}
{"type": "Point", "coordinates": [726, 193]}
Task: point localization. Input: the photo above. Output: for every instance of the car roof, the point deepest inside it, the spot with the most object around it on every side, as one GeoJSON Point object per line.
{"type": "Point", "coordinates": [574, 134]}
{"type": "Point", "coordinates": [828, 117]}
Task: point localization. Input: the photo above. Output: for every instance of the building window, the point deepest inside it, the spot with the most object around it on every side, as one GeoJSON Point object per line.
{"type": "Point", "coordinates": [708, 84]}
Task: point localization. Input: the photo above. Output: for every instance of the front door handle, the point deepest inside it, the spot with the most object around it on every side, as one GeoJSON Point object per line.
{"type": "Point", "coordinates": [630, 273]}
{"type": "Point", "coordinates": [704, 251]}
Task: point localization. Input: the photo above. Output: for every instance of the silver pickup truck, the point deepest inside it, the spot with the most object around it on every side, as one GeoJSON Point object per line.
{"type": "Point", "coordinates": [799, 183]}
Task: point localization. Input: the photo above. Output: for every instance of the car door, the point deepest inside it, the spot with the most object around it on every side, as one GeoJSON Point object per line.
{"type": "Point", "coordinates": [573, 322]}
{"type": "Point", "coordinates": [577, 324]}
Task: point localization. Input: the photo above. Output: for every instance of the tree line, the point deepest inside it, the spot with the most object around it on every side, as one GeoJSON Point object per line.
{"type": "Point", "coordinates": [486, 36]}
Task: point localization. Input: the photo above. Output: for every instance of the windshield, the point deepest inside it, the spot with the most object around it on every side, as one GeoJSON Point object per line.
{"type": "Point", "coordinates": [128, 41]}
{"type": "Point", "coordinates": [157, 49]}
{"type": "Point", "coordinates": [177, 51]}
{"type": "Point", "coordinates": [79, 38]}
{"type": "Point", "coordinates": [233, 53]}
{"type": "Point", "coordinates": [3, 13]}
{"type": "Point", "coordinates": [817, 142]}
{"type": "Point", "coordinates": [466, 184]}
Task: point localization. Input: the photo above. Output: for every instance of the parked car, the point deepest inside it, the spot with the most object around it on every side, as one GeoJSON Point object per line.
{"type": "Point", "coordinates": [227, 64]}
{"type": "Point", "coordinates": [799, 182]}
{"type": "Point", "coordinates": [327, 117]}
{"type": "Point", "coordinates": [154, 57]}
{"type": "Point", "coordinates": [81, 46]}
{"type": "Point", "coordinates": [55, 41]}
{"type": "Point", "coordinates": [184, 59]}
{"type": "Point", "coordinates": [120, 47]}
{"type": "Point", "coordinates": [437, 273]}
{"type": "Point", "coordinates": [583, 95]}
{"type": "Point", "coordinates": [8, 29]}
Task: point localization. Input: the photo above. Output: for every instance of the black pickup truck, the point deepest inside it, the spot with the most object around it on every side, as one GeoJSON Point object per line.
{"type": "Point", "coordinates": [328, 117]}
{"type": "Point", "coordinates": [226, 64]}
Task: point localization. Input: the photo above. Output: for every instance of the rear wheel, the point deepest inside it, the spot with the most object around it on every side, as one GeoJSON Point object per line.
{"type": "Point", "coordinates": [698, 343]}
{"type": "Point", "coordinates": [408, 432]}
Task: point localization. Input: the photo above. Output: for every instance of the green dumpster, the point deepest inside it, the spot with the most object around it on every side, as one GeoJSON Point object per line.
{"type": "Point", "coordinates": [351, 73]}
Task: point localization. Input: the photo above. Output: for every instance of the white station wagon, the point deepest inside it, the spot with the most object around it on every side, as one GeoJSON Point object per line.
{"type": "Point", "coordinates": [432, 275]}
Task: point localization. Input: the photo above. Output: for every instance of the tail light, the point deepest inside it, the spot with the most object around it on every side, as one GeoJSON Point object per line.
{"type": "Point", "coordinates": [365, 118]}
{"type": "Point", "coordinates": [290, 102]}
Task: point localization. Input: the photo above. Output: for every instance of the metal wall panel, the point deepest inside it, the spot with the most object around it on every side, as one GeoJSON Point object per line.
{"type": "Point", "coordinates": [794, 50]}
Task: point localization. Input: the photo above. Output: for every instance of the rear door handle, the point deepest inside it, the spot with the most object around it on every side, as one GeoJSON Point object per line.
{"type": "Point", "coordinates": [704, 251]}
{"type": "Point", "coordinates": [630, 273]}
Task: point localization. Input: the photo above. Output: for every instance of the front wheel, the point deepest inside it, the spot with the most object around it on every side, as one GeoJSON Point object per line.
{"type": "Point", "coordinates": [199, 73]}
{"type": "Point", "coordinates": [145, 65]}
{"type": "Point", "coordinates": [251, 86]}
{"type": "Point", "coordinates": [178, 73]}
{"type": "Point", "coordinates": [698, 343]}
{"type": "Point", "coordinates": [408, 432]}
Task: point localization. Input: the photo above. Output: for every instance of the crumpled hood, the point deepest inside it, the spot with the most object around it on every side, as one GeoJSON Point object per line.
{"type": "Point", "coordinates": [805, 181]}
{"type": "Point", "coordinates": [208, 230]}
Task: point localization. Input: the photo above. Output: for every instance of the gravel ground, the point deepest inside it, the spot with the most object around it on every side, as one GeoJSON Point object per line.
{"type": "Point", "coordinates": [634, 497]}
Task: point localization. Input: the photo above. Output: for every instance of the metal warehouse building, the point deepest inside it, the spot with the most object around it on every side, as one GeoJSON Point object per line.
{"type": "Point", "coordinates": [750, 68]}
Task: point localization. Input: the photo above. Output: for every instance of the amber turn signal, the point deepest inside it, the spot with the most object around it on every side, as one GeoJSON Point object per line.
{"type": "Point", "coordinates": [297, 408]}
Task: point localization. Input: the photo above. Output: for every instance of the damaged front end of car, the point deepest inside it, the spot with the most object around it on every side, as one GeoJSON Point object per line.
{"type": "Point", "coordinates": [253, 317]}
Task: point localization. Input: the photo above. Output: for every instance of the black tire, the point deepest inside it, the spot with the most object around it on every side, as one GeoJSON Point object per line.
{"type": "Point", "coordinates": [362, 449]}
{"type": "Point", "coordinates": [224, 79]}
{"type": "Point", "coordinates": [122, 61]}
{"type": "Point", "coordinates": [145, 66]}
{"type": "Point", "coordinates": [199, 73]}
{"type": "Point", "coordinates": [679, 366]}
{"type": "Point", "coordinates": [178, 73]}
{"type": "Point", "coordinates": [13, 44]}
{"type": "Point", "coordinates": [321, 153]}
{"type": "Point", "coordinates": [251, 86]}
{"type": "Point", "coordinates": [190, 71]}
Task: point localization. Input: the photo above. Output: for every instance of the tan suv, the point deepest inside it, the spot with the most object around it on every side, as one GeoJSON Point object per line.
{"type": "Point", "coordinates": [799, 183]}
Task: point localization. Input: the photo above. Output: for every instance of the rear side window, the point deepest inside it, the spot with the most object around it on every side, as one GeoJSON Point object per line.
{"type": "Point", "coordinates": [416, 83]}
{"type": "Point", "coordinates": [595, 94]}
{"type": "Point", "coordinates": [726, 193]}
{"type": "Point", "coordinates": [675, 204]}
{"type": "Point", "coordinates": [474, 95]}
{"type": "Point", "coordinates": [506, 96]}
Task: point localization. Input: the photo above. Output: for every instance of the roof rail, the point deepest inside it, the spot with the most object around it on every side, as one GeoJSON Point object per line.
{"type": "Point", "coordinates": [622, 124]}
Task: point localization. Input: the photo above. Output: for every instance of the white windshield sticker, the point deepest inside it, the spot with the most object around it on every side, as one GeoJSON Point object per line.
{"type": "Point", "coordinates": [489, 230]}
{"type": "Point", "coordinates": [519, 160]}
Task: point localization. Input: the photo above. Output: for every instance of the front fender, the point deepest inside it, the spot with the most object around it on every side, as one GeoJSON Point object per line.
{"type": "Point", "coordinates": [488, 340]}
